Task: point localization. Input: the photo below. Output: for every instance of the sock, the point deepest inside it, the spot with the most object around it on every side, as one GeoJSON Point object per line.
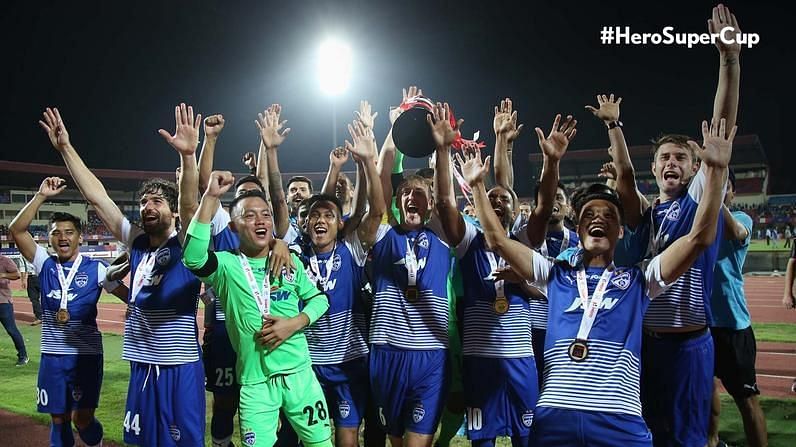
{"type": "Point", "coordinates": [449, 426]}
{"type": "Point", "coordinates": [61, 435]}
{"type": "Point", "coordinates": [92, 434]}
{"type": "Point", "coordinates": [484, 442]}
{"type": "Point", "coordinates": [221, 427]}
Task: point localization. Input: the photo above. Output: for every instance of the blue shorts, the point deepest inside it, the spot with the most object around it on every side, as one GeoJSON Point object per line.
{"type": "Point", "coordinates": [409, 388]}
{"type": "Point", "coordinates": [219, 360]}
{"type": "Point", "coordinates": [558, 426]}
{"type": "Point", "coordinates": [500, 395]}
{"type": "Point", "coordinates": [677, 388]}
{"type": "Point", "coordinates": [68, 382]}
{"type": "Point", "coordinates": [346, 389]}
{"type": "Point", "coordinates": [165, 405]}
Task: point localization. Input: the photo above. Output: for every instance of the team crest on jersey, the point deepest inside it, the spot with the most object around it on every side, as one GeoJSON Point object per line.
{"type": "Point", "coordinates": [249, 437]}
{"type": "Point", "coordinates": [77, 394]}
{"type": "Point", "coordinates": [344, 408]}
{"type": "Point", "coordinates": [336, 262]}
{"type": "Point", "coordinates": [622, 280]}
{"type": "Point", "coordinates": [527, 418]}
{"type": "Point", "coordinates": [422, 240]}
{"type": "Point", "coordinates": [163, 256]}
{"type": "Point", "coordinates": [673, 213]}
{"type": "Point", "coordinates": [81, 279]}
{"type": "Point", "coordinates": [418, 413]}
{"type": "Point", "coordinates": [174, 432]}
{"type": "Point", "coordinates": [288, 274]}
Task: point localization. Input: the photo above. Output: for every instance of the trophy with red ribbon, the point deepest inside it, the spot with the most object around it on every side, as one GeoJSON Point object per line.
{"type": "Point", "coordinates": [411, 132]}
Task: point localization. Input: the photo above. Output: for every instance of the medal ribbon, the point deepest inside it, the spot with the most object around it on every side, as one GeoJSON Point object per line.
{"type": "Point", "coordinates": [590, 307]}
{"type": "Point", "coordinates": [144, 269]}
{"type": "Point", "coordinates": [261, 296]}
{"type": "Point", "coordinates": [316, 269]}
{"type": "Point", "coordinates": [564, 244]}
{"type": "Point", "coordinates": [67, 281]}
{"type": "Point", "coordinates": [411, 261]}
{"type": "Point", "coordinates": [654, 247]}
{"type": "Point", "coordinates": [494, 264]}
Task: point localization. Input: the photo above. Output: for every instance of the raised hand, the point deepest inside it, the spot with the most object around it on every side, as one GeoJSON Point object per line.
{"type": "Point", "coordinates": [441, 129]}
{"type": "Point", "coordinates": [722, 18]}
{"type": "Point", "coordinates": [364, 146]}
{"type": "Point", "coordinates": [338, 157]}
{"type": "Point", "coordinates": [219, 184]}
{"type": "Point", "coordinates": [505, 122]}
{"type": "Point", "coordinates": [270, 127]}
{"type": "Point", "coordinates": [555, 144]}
{"type": "Point", "coordinates": [716, 149]}
{"type": "Point", "coordinates": [474, 170]}
{"type": "Point", "coordinates": [609, 108]}
{"type": "Point", "coordinates": [52, 186]}
{"type": "Point", "coordinates": [214, 124]}
{"type": "Point", "coordinates": [608, 171]}
{"type": "Point", "coordinates": [250, 160]}
{"type": "Point", "coordinates": [55, 128]}
{"type": "Point", "coordinates": [364, 115]}
{"type": "Point", "coordinates": [411, 92]}
{"type": "Point", "coordinates": [186, 135]}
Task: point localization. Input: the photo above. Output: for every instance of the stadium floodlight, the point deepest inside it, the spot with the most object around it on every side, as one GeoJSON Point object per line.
{"type": "Point", "coordinates": [334, 66]}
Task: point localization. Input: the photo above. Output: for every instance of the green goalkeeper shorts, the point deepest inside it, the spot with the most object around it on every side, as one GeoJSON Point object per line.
{"type": "Point", "coordinates": [301, 399]}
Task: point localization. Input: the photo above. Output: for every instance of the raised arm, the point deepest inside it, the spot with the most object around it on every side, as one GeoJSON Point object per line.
{"type": "Point", "coordinates": [554, 146]}
{"type": "Point", "coordinates": [195, 254]}
{"type": "Point", "coordinates": [734, 230]}
{"type": "Point", "coordinates": [631, 197]}
{"type": "Point", "coordinates": [185, 141]}
{"type": "Point", "coordinates": [50, 187]}
{"type": "Point", "coordinates": [517, 255]}
{"type": "Point", "coordinates": [444, 197]}
{"type": "Point", "coordinates": [337, 158]}
{"type": "Point", "coordinates": [273, 135]}
{"type": "Point", "coordinates": [725, 104]}
{"type": "Point", "coordinates": [89, 185]}
{"type": "Point", "coordinates": [214, 124]}
{"type": "Point", "coordinates": [364, 150]}
{"type": "Point", "coordinates": [506, 131]}
{"type": "Point", "coordinates": [715, 154]}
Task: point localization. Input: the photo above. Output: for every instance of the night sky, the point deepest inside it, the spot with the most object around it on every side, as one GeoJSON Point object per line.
{"type": "Point", "coordinates": [116, 70]}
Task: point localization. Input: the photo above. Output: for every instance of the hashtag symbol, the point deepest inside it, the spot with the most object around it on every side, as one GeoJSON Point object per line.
{"type": "Point", "coordinates": [607, 35]}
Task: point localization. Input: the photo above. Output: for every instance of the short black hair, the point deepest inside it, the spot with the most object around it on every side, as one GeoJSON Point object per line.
{"type": "Point", "coordinates": [166, 188]}
{"type": "Point", "coordinates": [731, 179]}
{"type": "Point", "coordinates": [246, 195]}
{"type": "Point", "coordinates": [317, 198]}
{"type": "Point", "coordinates": [299, 178]}
{"type": "Point", "coordinates": [596, 191]}
{"type": "Point", "coordinates": [539, 186]}
{"type": "Point", "coordinates": [59, 216]}
{"type": "Point", "coordinates": [250, 179]}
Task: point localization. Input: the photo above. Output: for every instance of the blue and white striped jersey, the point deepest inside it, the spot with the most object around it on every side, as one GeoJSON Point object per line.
{"type": "Point", "coordinates": [339, 335]}
{"type": "Point", "coordinates": [419, 325]}
{"type": "Point", "coordinates": [488, 333]}
{"type": "Point", "coordinates": [687, 302]}
{"type": "Point", "coordinates": [608, 380]}
{"type": "Point", "coordinates": [161, 328]}
{"type": "Point", "coordinates": [80, 334]}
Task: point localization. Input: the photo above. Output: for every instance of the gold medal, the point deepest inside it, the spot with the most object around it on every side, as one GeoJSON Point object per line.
{"type": "Point", "coordinates": [578, 350]}
{"type": "Point", "coordinates": [501, 305]}
{"type": "Point", "coordinates": [62, 316]}
{"type": "Point", "coordinates": [411, 294]}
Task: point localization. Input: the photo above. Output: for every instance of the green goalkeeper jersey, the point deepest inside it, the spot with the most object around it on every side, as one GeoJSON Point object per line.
{"type": "Point", "coordinates": [223, 271]}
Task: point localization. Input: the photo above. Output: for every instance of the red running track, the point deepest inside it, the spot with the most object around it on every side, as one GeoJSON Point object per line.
{"type": "Point", "coordinates": [776, 362]}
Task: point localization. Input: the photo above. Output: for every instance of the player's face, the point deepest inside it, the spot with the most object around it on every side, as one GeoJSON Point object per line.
{"type": "Point", "coordinates": [415, 203]}
{"type": "Point", "coordinates": [156, 216]}
{"type": "Point", "coordinates": [296, 192]}
{"type": "Point", "coordinates": [673, 168]}
{"type": "Point", "coordinates": [247, 186]}
{"type": "Point", "coordinates": [252, 221]}
{"type": "Point", "coordinates": [525, 210]}
{"type": "Point", "coordinates": [323, 224]}
{"type": "Point", "coordinates": [301, 217]}
{"type": "Point", "coordinates": [561, 207]}
{"type": "Point", "coordinates": [343, 190]}
{"type": "Point", "coordinates": [469, 211]}
{"type": "Point", "coordinates": [599, 226]}
{"type": "Point", "coordinates": [501, 202]}
{"type": "Point", "coordinates": [65, 239]}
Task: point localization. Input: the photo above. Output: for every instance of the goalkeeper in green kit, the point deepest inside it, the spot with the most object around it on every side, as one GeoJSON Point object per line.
{"type": "Point", "coordinates": [263, 319]}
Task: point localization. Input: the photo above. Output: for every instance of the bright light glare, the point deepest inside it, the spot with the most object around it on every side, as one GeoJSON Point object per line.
{"type": "Point", "coordinates": [334, 67]}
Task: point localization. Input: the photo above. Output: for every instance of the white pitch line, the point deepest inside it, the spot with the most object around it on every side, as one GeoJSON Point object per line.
{"type": "Point", "coordinates": [771, 376]}
{"type": "Point", "coordinates": [776, 353]}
